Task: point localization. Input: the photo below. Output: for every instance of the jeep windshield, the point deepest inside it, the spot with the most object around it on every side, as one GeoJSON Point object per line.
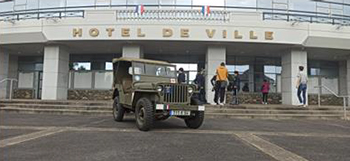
{"type": "Point", "coordinates": [154, 70]}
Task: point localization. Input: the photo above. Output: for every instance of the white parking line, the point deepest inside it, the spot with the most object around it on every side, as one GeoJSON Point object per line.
{"type": "Point", "coordinates": [268, 148]}
{"type": "Point", "coordinates": [28, 137]}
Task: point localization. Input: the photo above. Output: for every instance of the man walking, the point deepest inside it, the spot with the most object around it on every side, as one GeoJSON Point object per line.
{"type": "Point", "coordinates": [200, 82]}
{"type": "Point", "coordinates": [221, 84]}
{"type": "Point", "coordinates": [302, 86]}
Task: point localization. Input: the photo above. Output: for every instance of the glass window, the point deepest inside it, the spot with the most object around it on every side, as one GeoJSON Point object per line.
{"type": "Point", "coordinates": [183, 2]}
{"type": "Point", "coordinates": [143, 2]}
{"type": "Point", "coordinates": [264, 3]}
{"type": "Point", "coordinates": [109, 66]}
{"type": "Point", "coordinates": [167, 2]}
{"type": "Point", "coordinates": [119, 2]}
{"type": "Point", "coordinates": [71, 3]}
{"type": "Point", "coordinates": [6, 6]}
{"type": "Point", "coordinates": [209, 2]}
{"type": "Point", "coordinates": [302, 5]}
{"type": "Point", "coordinates": [32, 4]}
{"type": "Point", "coordinates": [103, 2]}
{"type": "Point", "coordinates": [240, 3]}
{"type": "Point", "coordinates": [81, 66]}
{"type": "Point", "coordinates": [51, 3]}
{"type": "Point", "coordinates": [160, 70]}
{"type": "Point", "coordinates": [139, 68]}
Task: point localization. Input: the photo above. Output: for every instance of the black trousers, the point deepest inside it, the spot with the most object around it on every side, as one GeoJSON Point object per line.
{"type": "Point", "coordinates": [234, 96]}
{"type": "Point", "coordinates": [265, 95]}
{"type": "Point", "coordinates": [202, 95]}
{"type": "Point", "coordinates": [219, 93]}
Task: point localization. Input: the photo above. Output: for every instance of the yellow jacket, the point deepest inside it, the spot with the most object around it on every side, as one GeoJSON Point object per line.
{"type": "Point", "coordinates": [222, 73]}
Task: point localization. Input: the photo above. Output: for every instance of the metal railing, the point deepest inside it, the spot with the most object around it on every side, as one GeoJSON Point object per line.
{"type": "Point", "coordinates": [170, 12]}
{"type": "Point", "coordinates": [345, 98]}
{"type": "Point", "coordinates": [11, 85]}
{"type": "Point", "coordinates": [40, 15]}
{"type": "Point", "coordinates": [345, 21]}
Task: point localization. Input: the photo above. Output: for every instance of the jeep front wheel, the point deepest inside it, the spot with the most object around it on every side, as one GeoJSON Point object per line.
{"type": "Point", "coordinates": [196, 121]}
{"type": "Point", "coordinates": [144, 114]}
{"type": "Point", "coordinates": [118, 110]}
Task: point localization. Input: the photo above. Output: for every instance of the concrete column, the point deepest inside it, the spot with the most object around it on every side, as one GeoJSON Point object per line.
{"type": "Point", "coordinates": [55, 74]}
{"type": "Point", "coordinates": [347, 77]}
{"type": "Point", "coordinates": [214, 57]}
{"type": "Point", "coordinates": [4, 69]}
{"type": "Point", "coordinates": [290, 68]}
{"type": "Point", "coordinates": [133, 51]}
{"type": "Point", "coordinates": [343, 85]}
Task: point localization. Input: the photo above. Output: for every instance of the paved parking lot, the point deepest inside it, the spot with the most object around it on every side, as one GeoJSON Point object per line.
{"type": "Point", "coordinates": [59, 137]}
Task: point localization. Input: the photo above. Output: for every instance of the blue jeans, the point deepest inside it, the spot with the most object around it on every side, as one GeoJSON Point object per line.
{"type": "Point", "coordinates": [302, 89]}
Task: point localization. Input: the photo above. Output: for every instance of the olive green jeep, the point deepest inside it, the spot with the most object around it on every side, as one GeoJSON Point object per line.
{"type": "Point", "coordinates": [150, 90]}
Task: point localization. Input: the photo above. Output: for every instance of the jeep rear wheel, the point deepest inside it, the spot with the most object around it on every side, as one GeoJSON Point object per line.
{"type": "Point", "coordinates": [144, 114]}
{"type": "Point", "coordinates": [196, 121]}
{"type": "Point", "coordinates": [118, 110]}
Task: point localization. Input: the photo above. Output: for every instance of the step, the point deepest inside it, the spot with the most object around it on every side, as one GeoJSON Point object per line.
{"type": "Point", "coordinates": [56, 111]}
{"type": "Point", "coordinates": [53, 106]}
{"type": "Point", "coordinates": [272, 116]}
{"type": "Point", "coordinates": [264, 111]}
{"type": "Point", "coordinates": [275, 107]}
{"type": "Point", "coordinates": [207, 114]}
{"type": "Point", "coordinates": [68, 102]}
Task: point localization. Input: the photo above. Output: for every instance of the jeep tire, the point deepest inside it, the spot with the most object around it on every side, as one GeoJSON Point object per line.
{"type": "Point", "coordinates": [118, 110]}
{"type": "Point", "coordinates": [144, 114]}
{"type": "Point", "coordinates": [196, 121]}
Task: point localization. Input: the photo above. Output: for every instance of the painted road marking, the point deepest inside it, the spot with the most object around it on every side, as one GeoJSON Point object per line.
{"type": "Point", "coordinates": [30, 136]}
{"type": "Point", "coordinates": [273, 150]}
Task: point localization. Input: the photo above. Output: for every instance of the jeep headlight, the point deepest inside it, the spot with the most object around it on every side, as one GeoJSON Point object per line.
{"type": "Point", "coordinates": [190, 90]}
{"type": "Point", "coordinates": [159, 88]}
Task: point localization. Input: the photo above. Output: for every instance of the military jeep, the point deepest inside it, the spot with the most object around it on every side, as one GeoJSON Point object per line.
{"type": "Point", "coordinates": [150, 90]}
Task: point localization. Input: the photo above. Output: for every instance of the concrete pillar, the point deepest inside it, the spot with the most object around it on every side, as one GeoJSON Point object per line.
{"type": "Point", "coordinates": [55, 74]}
{"type": "Point", "coordinates": [4, 69]}
{"type": "Point", "coordinates": [347, 77]}
{"type": "Point", "coordinates": [133, 51]}
{"type": "Point", "coordinates": [343, 85]}
{"type": "Point", "coordinates": [290, 68]}
{"type": "Point", "coordinates": [214, 57]}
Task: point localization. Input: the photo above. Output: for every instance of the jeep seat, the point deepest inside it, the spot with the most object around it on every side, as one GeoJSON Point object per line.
{"type": "Point", "coordinates": [126, 85]}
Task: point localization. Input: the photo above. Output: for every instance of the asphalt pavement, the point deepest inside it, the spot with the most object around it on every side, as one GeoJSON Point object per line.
{"type": "Point", "coordinates": [71, 138]}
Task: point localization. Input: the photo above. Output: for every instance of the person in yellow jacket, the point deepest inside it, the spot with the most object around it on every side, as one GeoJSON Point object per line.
{"type": "Point", "coordinates": [221, 84]}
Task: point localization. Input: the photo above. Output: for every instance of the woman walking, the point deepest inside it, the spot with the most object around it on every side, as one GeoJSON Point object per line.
{"type": "Point", "coordinates": [265, 88]}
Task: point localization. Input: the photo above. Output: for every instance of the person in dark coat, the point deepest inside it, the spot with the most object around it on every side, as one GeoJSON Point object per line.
{"type": "Point", "coordinates": [181, 78]}
{"type": "Point", "coordinates": [216, 87]}
{"type": "Point", "coordinates": [236, 81]}
{"type": "Point", "coordinates": [200, 82]}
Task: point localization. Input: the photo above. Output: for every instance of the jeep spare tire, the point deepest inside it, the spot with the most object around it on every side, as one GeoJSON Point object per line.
{"type": "Point", "coordinates": [144, 114]}
{"type": "Point", "coordinates": [118, 110]}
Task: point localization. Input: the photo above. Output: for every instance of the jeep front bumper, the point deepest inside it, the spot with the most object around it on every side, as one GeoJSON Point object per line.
{"type": "Point", "coordinates": [167, 107]}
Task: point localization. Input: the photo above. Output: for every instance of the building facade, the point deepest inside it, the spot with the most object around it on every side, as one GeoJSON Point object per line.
{"type": "Point", "coordinates": [59, 49]}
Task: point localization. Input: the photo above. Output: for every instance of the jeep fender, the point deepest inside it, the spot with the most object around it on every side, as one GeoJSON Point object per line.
{"type": "Point", "coordinates": [153, 96]}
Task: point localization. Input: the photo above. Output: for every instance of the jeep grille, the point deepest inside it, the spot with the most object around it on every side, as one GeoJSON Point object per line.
{"type": "Point", "coordinates": [175, 93]}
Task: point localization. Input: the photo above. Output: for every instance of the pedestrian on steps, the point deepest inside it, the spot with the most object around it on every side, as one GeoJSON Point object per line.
{"type": "Point", "coordinates": [221, 84]}
{"type": "Point", "coordinates": [265, 88]}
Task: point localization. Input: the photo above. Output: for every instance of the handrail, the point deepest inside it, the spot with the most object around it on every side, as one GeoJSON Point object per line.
{"type": "Point", "coordinates": [67, 8]}
{"type": "Point", "coordinates": [11, 84]}
{"type": "Point", "coordinates": [336, 95]}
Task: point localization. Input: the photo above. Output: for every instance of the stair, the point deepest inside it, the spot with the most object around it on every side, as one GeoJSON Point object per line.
{"type": "Point", "coordinates": [104, 108]}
